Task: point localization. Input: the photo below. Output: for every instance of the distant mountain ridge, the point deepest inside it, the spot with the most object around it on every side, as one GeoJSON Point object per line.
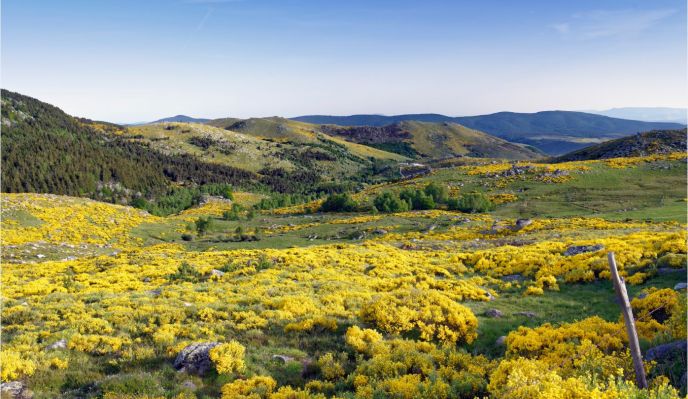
{"type": "Point", "coordinates": [182, 118]}
{"type": "Point", "coordinates": [554, 132]}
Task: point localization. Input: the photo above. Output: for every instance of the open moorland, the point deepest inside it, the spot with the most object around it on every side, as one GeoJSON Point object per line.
{"type": "Point", "coordinates": [479, 278]}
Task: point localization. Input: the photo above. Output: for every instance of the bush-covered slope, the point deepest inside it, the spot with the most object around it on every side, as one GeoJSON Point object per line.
{"type": "Point", "coordinates": [642, 144]}
{"type": "Point", "coordinates": [433, 140]}
{"type": "Point", "coordinates": [46, 150]}
{"type": "Point", "coordinates": [554, 132]}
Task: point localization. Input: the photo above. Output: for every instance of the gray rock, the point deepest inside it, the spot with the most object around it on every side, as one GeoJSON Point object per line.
{"type": "Point", "coordinates": [680, 286]}
{"type": "Point", "coordinates": [61, 344]}
{"type": "Point", "coordinates": [661, 353]}
{"type": "Point", "coordinates": [15, 390]}
{"type": "Point", "coordinates": [195, 358]}
{"type": "Point", "coordinates": [40, 256]}
{"type": "Point", "coordinates": [188, 384]}
{"type": "Point", "coordinates": [494, 313]}
{"type": "Point", "coordinates": [530, 315]}
{"type": "Point", "coordinates": [217, 273]}
{"type": "Point", "coordinates": [380, 232]}
{"type": "Point", "coordinates": [521, 223]}
{"type": "Point", "coordinates": [283, 358]}
{"type": "Point", "coordinates": [501, 341]}
{"type": "Point", "coordinates": [581, 249]}
{"type": "Point", "coordinates": [490, 297]}
{"type": "Point", "coordinates": [155, 292]}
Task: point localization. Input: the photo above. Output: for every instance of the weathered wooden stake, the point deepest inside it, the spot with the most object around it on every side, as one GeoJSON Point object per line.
{"type": "Point", "coordinates": [622, 295]}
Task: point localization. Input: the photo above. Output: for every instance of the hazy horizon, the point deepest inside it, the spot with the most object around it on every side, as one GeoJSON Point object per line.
{"type": "Point", "coordinates": [129, 61]}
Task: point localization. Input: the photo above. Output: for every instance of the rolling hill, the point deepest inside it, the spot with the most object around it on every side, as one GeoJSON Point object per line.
{"type": "Point", "coordinates": [554, 132]}
{"type": "Point", "coordinates": [642, 144]}
{"type": "Point", "coordinates": [420, 140]}
{"type": "Point", "coordinates": [167, 164]}
{"type": "Point", "coordinates": [324, 158]}
{"type": "Point", "coordinates": [427, 140]}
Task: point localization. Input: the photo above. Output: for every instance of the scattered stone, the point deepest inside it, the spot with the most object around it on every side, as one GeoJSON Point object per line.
{"type": "Point", "coordinates": [40, 256]}
{"type": "Point", "coordinates": [680, 286]}
{"type": "Point", "coordinates": [15, 390]}
{"type": "Point", "coordinates": [521, 223]}
{"type": "Point", "coordinates": [195, 358]}
{"type": "Point", "coordinates": [283, 358]}
{"type": "Point", "coordinates": [155, 292]}
{"type": "Point", "coordinates": [494, 313]}
{"type": "Point", "coordinates": [530, 315]}
{"type": "Point", "coordinates": [147, 280]}
{"type": "Point", "coordinates": [661, 353]}
{"type": "Point", "coordinates": [216, 273]}
{"type": "Point", "coordinates": [490, 297]}
{"type": "Point", "coordinates": [380, 232]}
{"type": "Point", "coordinates": [61, 344]}
{"type": "Point", "coordinates": [431, 227]}
{"type": "Point", "coordinates": [188, 384]}
{"type": "Point", "coordinates": [581, 249]}
{"type": "Point", "coordinates": [501, 341]}
{"type": "Point", "coordinates": [513, 278]}
{"type": "Point", "coordinates": [70, 258]}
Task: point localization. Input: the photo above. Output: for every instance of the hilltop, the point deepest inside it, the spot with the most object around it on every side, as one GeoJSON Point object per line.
{"type": "Point", "coordinates": [433, 140]}
{"type": "Point", "coordinates": [641, 144]}
{"type": "Point", "coordinates": [182, 118]}
{"type": "Point", "coordinates": [419, 140]}
{"type": "Point", "coordinates": [554, 132]}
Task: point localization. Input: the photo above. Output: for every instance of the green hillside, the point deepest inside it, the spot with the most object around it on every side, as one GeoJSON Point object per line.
{"type": "Point", "coordinates": [167, 167]}
{"type": "Point", "coordinates": [257, 148]}
{"type": "Point", "coordinates": [435, 140]}
{"type": "Point", "coordinates": [648, 143]}
{"type": "Point", "coordinates": [420, 140]}
{"type": "Point", "coordinates": [48, 151]}
{"type": "Point", "coordinates": [284, 130]}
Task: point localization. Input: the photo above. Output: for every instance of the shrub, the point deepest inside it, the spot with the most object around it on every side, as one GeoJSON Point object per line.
{"type": "Point", "coordinates": [432, 314]}
{"type": "Point", "coordinates": [331, 368]}
{"type": "Point", "coordinates": [471, 203]}
{"type": "Point", "coordinates": [390, 202]}
{"type": "Point", "coordinates": [203, 225]}
{"type": "Point", "coordinates": [228, 358]}
{"type": "Point", "coordinates": [417, 199]}
{"type": "Point", "coordinates": [259, 387]}
{"type": "Point", "coordinates": [339, 203]}
{"type": "Point", "coordinates": [438, 193]}
{"type": "Point", "coordinates": [186, 272]}
{"type": "Point", "coordinates": [187, 237]}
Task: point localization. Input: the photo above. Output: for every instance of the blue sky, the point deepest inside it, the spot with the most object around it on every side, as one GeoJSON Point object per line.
{"type": "Point", "coordinates": [125, 60]}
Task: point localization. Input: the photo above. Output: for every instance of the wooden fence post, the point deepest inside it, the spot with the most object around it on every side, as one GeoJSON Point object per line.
{"type": "Point", "coordinates": [622, 295]}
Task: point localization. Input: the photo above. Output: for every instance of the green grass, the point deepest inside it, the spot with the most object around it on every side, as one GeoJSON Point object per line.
{"type": "Point", "coordinates": [571, 303]}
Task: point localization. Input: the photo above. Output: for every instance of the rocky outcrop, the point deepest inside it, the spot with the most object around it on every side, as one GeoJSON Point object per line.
{"type": "Point", "coordinates": [581, 249]}
{"type": "Point", "coordinates": [195, 358]}
{"type": "Point", "coordinates": [15, 390]}
{"type": "Point", "coordinates": [667, 352]}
